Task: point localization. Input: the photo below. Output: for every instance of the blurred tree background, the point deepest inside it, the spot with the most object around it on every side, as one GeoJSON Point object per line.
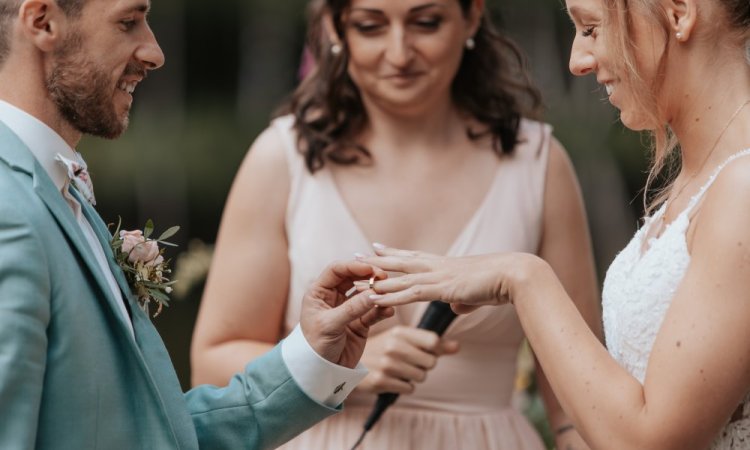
{"type": "Point", "coordinates": [229, 63]}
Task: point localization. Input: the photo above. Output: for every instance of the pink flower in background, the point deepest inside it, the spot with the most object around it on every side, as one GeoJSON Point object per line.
{"type": "Point", "coordinates": [307, 64]}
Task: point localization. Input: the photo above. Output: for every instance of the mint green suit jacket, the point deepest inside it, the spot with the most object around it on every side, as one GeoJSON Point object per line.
{"type": "Point", "coordinates": [71, 375]}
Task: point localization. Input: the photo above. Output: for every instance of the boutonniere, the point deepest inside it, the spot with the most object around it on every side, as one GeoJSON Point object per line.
{"type": "Point", "coordinates": [141, 259]}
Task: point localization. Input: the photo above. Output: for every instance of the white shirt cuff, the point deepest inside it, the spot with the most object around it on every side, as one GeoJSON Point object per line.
{"type": "Point", "coordinates": [322, 380]}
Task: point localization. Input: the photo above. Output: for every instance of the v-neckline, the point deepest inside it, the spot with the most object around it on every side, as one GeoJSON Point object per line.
{"type": "Point", "coordinates": [463, 231]}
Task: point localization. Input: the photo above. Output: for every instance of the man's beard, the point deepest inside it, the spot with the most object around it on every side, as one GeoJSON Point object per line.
{"type": "Point", "coordinates": [83, 92]}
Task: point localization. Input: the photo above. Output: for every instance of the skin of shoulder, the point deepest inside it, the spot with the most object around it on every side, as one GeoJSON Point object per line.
{"type": "Point", "coordinates": [243, 303]}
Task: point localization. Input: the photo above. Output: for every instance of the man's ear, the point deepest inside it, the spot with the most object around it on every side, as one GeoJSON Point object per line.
{"type": "Point", "coordinates": [42, 22]}
{"type": "Point", "coordinates": [681, 15]}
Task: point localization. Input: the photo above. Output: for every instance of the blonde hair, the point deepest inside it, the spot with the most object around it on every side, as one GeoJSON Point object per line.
{"type": "Point", "coordinates": [665, 157]}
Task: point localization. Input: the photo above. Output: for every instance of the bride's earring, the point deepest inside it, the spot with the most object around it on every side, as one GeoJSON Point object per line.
{"type": "Point", "coordinates": [470, 44]}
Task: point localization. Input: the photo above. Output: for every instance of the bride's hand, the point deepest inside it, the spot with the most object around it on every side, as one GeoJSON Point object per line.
{"type": "Point", "coordinates": [465, 282]}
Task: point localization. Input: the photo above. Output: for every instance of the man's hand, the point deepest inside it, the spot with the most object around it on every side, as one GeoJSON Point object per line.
{"type": "Point", "coordinates": [336, 326]}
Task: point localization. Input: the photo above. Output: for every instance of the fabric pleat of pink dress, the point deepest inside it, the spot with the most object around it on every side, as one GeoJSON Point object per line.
{"type": "Point", "coordinates": [465, 403]}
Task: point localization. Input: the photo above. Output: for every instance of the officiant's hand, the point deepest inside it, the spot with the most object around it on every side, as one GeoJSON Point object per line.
{"type": "Point", "coordinates": [336, 326]}
{"type": "Point", "coordinates": [401, 356]}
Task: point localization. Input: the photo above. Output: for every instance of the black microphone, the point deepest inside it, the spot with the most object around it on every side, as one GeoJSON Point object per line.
{"type": "Point", "coordinates": [436, 318]}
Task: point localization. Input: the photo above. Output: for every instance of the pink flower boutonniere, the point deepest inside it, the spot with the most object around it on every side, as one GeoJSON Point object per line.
{"type": "Point", "coordinates": [143, 263]}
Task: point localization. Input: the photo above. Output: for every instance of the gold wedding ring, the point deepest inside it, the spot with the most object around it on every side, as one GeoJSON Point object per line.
{"type": "Point", "coordinates": [371, 283]}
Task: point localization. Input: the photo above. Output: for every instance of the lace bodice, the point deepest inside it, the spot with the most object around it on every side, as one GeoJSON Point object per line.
{"type": "Point", "coordinates": [638, 290]}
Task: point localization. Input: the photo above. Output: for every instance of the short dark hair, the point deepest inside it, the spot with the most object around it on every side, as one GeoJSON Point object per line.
{"type": "Point", "coordinates": [492, 84]}
{"type": "Point", "coordinates": [71, 8]}
{"type": "Point", "coordinates": [9, 9]}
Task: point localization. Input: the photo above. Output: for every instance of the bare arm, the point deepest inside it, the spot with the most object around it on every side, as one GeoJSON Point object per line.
{"type": "Point", "coordinates": [699, 366]}
{"type": "Point", "coordinates": [566, 246]}
{"type": "Point", "coordinates": [243, 305]}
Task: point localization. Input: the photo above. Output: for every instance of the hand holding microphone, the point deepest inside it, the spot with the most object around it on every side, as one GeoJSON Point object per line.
{"type": "Point", "coordinates": [400, 357]}
{"type": "Point", "coordinates": [432, 325]}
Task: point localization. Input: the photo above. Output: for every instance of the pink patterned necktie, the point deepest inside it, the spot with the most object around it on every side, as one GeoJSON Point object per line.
{"type": "Point", "coordinates": [79, 176]}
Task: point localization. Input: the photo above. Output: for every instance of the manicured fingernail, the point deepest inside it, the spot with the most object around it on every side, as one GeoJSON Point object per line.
{"type": "Point", "coordinates": [375, 296]}
{"type": "Point", "coordinates": [378, 245]}
{"type": "Point", "coordinates": [359, 255]}
{"type": "Point", "coordinates": [362, 285]}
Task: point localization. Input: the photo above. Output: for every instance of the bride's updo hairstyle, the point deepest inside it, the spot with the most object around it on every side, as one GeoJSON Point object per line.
{"type": "Point", "coordinates": [733, 26]}
{"type": "Point", "coordinates": [492, 85]}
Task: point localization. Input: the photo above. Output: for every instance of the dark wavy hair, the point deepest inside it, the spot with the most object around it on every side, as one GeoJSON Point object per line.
{"type": "Point", "coordinates": [492, 85]}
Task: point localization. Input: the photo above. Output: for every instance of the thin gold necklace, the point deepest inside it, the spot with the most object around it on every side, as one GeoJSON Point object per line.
{"type": "Point", "coordinates": [705, 159]}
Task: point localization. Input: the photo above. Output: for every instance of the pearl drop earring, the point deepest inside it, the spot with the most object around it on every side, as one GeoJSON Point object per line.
{"type": "Point", "coordinates": [678, 35]}
{"type": "Point", "coordinates": [470, 44]}
{"type": "Point", "coordinates": [336, 49]}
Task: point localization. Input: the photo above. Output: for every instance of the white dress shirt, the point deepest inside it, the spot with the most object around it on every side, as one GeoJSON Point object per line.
{"type": "Point", "coordinates": [321, 380]}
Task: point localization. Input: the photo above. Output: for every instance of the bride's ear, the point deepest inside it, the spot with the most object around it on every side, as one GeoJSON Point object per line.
{"type": "Point", "coordinates": [681, 15]}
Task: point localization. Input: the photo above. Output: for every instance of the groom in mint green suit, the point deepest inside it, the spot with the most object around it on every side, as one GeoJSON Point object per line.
{"type": "Point", "coordinates": [81, 366]}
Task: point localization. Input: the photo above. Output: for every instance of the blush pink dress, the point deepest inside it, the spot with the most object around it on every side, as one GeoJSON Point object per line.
{"type": "Point", "coordinates": [465, 403]}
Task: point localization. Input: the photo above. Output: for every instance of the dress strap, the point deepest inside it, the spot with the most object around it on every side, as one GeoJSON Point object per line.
{"type": "Point", "coordinates": [695, 199]}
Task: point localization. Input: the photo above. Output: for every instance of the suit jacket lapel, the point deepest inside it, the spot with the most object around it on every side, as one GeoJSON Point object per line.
{"type": "Point", "coordinates": [18, 156]}
{"type": "Point", "coordinates": [144, 329]}
{"type": "Point", "coordinates": [153, 356]}
{"type": "Point", "coordinates": [148, 349]}
{"type": "Point", "coordinates": [105, 237]}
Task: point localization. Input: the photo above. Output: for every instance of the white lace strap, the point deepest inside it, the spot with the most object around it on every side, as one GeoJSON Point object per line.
{"type": "Point", "coordinates": [695, 199]}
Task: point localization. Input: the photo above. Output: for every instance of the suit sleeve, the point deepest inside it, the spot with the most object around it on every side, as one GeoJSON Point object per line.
{"type": "Point", "coordinates": [24, 316]}
{"type": "Point", "coordinates": [261, 408]}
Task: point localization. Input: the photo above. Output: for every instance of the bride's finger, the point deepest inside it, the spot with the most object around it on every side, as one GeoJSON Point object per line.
{"type": "Point", "coordinates": [402, 264]}
{"type": "Point", "coordinates": [416, 293]}
{"type": "Point", "coordinates": [396, 284]}
{"type": "Point", "coordinates": [382, 250]}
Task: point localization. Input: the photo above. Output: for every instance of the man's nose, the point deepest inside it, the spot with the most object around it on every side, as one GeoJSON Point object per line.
{"type": "Point", "coordinates": [149, 53]}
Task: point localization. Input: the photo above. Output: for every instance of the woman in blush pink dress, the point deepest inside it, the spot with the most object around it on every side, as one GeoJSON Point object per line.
{"type": "Point", "coordinates": [412, 130]}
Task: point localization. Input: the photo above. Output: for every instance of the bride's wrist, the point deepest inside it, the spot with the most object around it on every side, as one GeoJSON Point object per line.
{"type": "Point", "coordinates": [529, 272]}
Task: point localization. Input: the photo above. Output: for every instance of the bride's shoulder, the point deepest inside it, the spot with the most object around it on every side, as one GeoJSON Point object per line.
{"type": "Point", "coordinates": [724, 211]}
{"type": "Point", "coordinates": [731, 184]}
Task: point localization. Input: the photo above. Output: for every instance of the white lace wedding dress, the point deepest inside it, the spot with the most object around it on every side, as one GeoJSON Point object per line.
{"type": "Point", "coordinates": [638, 290]}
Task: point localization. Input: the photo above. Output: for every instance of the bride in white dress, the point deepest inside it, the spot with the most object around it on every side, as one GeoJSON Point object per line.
{"type": "Point", "coordinates": [675, 373]}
